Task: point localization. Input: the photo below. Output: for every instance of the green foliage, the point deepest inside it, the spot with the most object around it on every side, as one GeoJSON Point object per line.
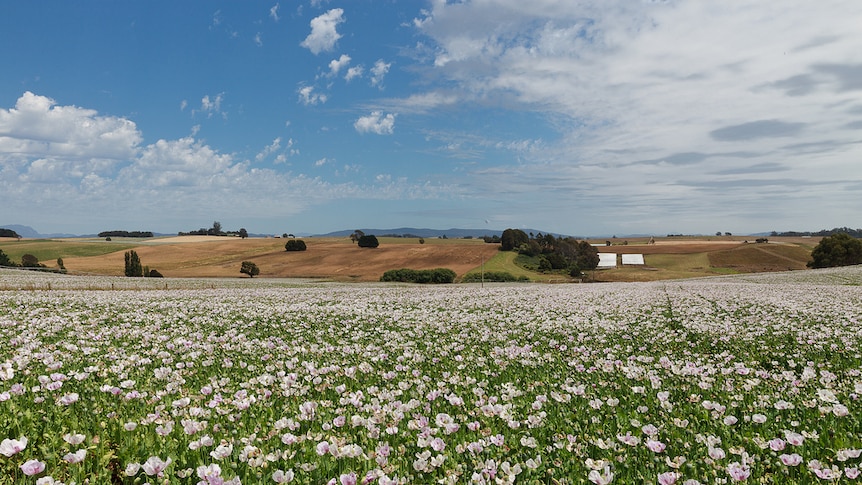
{"type": "Point", "coordinates": [30, 261]}
{"type": "Point", "coordinates": [243, 233]}
{"type": "Point", "coordinates": [4, 259]}
{"type": "Point", "coordinates": [367, 241]}
{"type": "Point", "coordinates": [133, 264]}
{"type": "Point", "coordinates": [493, 276]}
{"type": "Point", "coordinates": [295, 245]}
{"type": "Point", "coordinates": [126, 234]}
{"type": "Point", "coordinates": [513, 239]}
{"type": "Point", "coordinates": [250, 269]}
{"type": "Point", "coordinates": [406, 275]}
{"type": "Point", "coordinates": [154, 274]}
{"type": "Point", "coordinates": [60, 263]}
{"type": "Point", "coordinates": [840, 249]}
{"type": "Point", "coordinates": [8, 233]}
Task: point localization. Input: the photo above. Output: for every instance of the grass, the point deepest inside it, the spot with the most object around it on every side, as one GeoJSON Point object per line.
{"type": "Point", "coordinates": [48, 250]}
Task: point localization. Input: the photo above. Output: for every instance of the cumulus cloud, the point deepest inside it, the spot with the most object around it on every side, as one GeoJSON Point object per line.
{"type": "Point", "coordinates": [354, 72]}
{"type": "Point", "coordinates": [337, 65]}
{"type": "Point", "coordinates": [378, 72]}
{"type": "Point", "coordinates": [76, 170]}
{"type": "Point", "coordinates": [38, 126]}
{"type": "Point", "coordinates": [377, 123]}
{"type": "Point", "coordinates": [324, 33]}
{"type": "Point", "coordinates": [308, 97]}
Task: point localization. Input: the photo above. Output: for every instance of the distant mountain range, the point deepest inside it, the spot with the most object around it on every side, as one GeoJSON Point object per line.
{"type": "Point", "coordinates": [454, 233]}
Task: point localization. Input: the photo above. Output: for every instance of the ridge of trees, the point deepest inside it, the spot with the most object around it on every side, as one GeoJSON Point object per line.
{"type": "Point", "coordinates": [215, 230]}
{"type": "Point", "coordinates": [126, 234]}
{"type": "Point", "coordinates": [857, 233]}
{"type": "Point", "coordinates": [9, 233]}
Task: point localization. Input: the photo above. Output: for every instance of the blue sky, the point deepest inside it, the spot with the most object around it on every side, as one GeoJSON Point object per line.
{"type": "Point", "coordinates": [577, 117]}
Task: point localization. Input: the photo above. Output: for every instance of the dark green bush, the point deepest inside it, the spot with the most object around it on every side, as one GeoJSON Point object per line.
{"type": "Point", "coordinates": [407, 275]}
{"type": "Point", "coordinates": [493, 276]}
{"type": "Point", "coordinates": [295, 245]}
{"type": "Point", "coordinates": [368, 241]}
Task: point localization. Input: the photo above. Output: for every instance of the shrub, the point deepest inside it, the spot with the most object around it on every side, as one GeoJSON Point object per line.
{"type": "Point", "coordinates": [250, 269]}
{"type": "Point", "coordinates": [407, 275]}
{"type": "Point", "coordinates": [368, 241]}
{"type": "Point", "coordinates": [493, 276]}
{"type": "Point", "coordinates": [154, 274]}
{"type": "Point", "coordinates": [295, 245]}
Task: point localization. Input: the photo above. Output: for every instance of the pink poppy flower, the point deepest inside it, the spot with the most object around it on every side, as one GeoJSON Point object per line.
{"type": "Point", "coordinates": [655, 446]}
{"type": "Point", "coordinates": [776, 444]}
{"type": "Point", "coordinates": [668, 478]}
{"type": "Point", "coordinates": [738, 472]}
{"type": "Point", "coordinates": [10, 447]}
{"type": "Point", "coordinates": [601, 478]}
{"type": "Point", "coordinates": [790, 460]}
{"type": "Point", "coordinates": [155, 466]}
{"type": "Point", "coordinates": [32, 467]}
{"type": "Point", "coordinates": [280, 476]}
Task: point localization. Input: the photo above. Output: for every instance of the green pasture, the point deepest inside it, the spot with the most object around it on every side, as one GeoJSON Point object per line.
{"type": "Point", "coordinates": [48, 250]}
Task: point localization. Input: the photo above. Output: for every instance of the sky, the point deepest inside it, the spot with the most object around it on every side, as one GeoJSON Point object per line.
{"type": "Point", "coordinates": [574, 117]}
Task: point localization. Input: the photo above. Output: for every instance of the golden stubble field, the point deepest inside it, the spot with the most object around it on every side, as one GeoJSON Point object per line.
{"type": "Point", "coordinates": [340, 259]}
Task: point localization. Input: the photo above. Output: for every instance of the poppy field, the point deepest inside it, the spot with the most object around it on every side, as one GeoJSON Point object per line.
{"type": "Point", "coordinates": [751, 379]}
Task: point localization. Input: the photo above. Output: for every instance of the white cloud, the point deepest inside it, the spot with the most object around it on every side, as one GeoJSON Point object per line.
{"type": "Point", "coordinates": [321, 162]}
{"type": "Point", "coordinates": [324, 33]}
{"type": "Point", "coordinates": [269, 149]}
{"type": "Point", "coordinates": [308, 97]}
{"type": "Point", "coordinates": [337, 65]}
{"type": "Point", "coordinates": [273, 12]}
{"type": "Point", "coordinates": [378, 72]}
{"type": "Point", "coordinates": [354, 72]}
{"type": "Point", "coordinates": [74, 170]}
{"type": "Point", "coordinates": [258, 39]}
{"type": "Point", "coordinates": [649, 98]}
{"type": "Point", "coordinates": [38, 126]}
{"type": "Point", "coordinates": [377, 123]}
{"type": "Point", "coordinates": [212, 105]}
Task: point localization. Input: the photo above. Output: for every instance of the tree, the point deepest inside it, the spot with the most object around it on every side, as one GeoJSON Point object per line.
{"type": "Point", "coordinates": [356, 235]}
{"type": "Point", "coordinates": [369, 241]}
{"type": "Point", "coordinates": [295, 245]}
{"type": "Point", "coordinates": [60, 264]}
{"type": "Point", "coordinates": [250, 269]}
{"type": "Point", "coordinates": [243, 233]}
{"type": "Point", "coordinates": [512, 239]}
{"type": "Point", "coordinates": [133, 264]}
{"type": "Point", "coordinates": [839, 249]}
{"type": "Point", "coordinates": [216, 229]}
{"type": "Point", "coordinates": [4, 259]}
{"type": "Point", "coordinates": [30, 261]}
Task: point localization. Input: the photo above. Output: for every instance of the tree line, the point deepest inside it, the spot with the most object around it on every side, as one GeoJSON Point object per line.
{"type": "Point", "coordinates": [126, 234]}
{"type": "Point", "coordinates": [554, 253]}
